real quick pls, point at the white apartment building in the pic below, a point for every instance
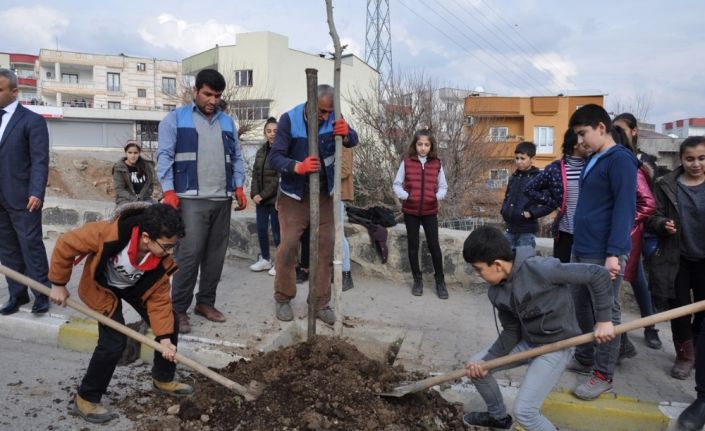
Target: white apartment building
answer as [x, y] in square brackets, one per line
[267, 78]
[685, 128]
[101, 101]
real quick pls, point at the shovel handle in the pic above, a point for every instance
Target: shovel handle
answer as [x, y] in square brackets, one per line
[564, 344]
[237, 388]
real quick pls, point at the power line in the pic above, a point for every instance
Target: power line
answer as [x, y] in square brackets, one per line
[497, 50]
[507, 79]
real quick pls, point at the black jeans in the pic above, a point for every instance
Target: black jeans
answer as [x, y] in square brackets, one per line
[563, 246]
[430, 228]
[691, 277]
[107, 353]
[700, 364]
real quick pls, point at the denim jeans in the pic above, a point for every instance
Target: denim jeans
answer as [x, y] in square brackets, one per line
[603, 356]
[265, 214]
[519, 239]
[346, 245]
[642, 293]
[541, 376]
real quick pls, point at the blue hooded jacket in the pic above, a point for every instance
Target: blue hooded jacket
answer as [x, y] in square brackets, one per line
[607, 204]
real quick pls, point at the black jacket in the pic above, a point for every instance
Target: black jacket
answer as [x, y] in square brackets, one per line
[265, 180]
[516, 202]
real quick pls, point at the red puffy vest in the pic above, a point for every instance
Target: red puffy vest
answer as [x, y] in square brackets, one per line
[421, 182]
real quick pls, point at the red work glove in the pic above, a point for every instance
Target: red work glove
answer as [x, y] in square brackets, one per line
[340, 128]
[241, 198]
[309, 165]
[171, 199]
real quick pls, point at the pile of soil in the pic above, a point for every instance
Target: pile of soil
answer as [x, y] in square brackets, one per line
[324, 384]
[80, 177]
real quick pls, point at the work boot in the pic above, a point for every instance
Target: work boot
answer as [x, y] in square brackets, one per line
[578, 367]
[417, 288]
[347, 281]
[651, 338]
[685, 359]
[626, 348]
[173, 388]
[483, 419]
[693, 417]
[284, 312]
[92, 412]
[327, 315]
[593, 387]
[184, 324]
[441, 290]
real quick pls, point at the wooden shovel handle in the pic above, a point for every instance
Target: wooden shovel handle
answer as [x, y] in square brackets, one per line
[237, 388]
[569, 342]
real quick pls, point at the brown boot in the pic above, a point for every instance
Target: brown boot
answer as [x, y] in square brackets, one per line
[184, 324]
[685, 359]
[172, 388]
[92, 412]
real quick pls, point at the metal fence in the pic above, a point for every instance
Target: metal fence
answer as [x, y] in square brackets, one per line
[467, 224]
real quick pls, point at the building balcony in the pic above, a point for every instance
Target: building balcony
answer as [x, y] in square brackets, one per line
[82, 88]
[27, 82]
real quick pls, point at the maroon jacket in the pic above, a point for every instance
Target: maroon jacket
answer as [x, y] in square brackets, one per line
[422, 184]
[645, 207]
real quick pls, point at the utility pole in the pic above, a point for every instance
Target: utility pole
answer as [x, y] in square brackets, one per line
[378, 45]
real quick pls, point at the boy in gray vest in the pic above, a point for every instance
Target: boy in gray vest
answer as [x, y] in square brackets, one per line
[535, 307]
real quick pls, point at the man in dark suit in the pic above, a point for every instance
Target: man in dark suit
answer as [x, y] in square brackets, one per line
[24, 169]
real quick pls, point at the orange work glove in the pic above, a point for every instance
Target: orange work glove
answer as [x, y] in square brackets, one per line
[309, 165]
[340, 128]
[171, 199]
[241, 198]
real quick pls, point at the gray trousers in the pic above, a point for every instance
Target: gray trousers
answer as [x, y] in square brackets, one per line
[540, 378]
[207, 224]
[603, 356]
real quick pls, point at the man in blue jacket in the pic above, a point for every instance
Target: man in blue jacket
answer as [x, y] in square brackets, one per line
[24, 170]
[603, 221]
[289, 156]
[199, 164]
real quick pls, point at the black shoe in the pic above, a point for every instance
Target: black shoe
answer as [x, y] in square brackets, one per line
[483, 419]
[41, 304]
[651, 337]
[441, 290]
[13, 305]
[301, 275]
[693, 417]
[417, 288]
[626, 348]
[347, 281]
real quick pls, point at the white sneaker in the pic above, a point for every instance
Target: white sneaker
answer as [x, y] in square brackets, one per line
[272, 272]
[261, 265]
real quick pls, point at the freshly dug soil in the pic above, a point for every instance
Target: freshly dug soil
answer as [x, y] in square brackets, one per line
[325, 384]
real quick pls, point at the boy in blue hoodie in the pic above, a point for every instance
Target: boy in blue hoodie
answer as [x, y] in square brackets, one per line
[535, 308]
[603, 221]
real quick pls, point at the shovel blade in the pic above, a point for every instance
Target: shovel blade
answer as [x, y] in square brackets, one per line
[401, 390]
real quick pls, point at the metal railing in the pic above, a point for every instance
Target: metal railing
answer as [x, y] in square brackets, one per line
[466, 224]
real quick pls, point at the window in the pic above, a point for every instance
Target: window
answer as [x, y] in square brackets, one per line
[141, 67]
[113, 81]
[169, 107]
[243, 78]
[499, 134]
[71, 78]
[114, 105]
[251, 109]
[543, 138]
[498, 178]
[141, 92]
[169, 86]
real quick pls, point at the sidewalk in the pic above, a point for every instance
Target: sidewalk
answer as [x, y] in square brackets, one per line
[433, 336]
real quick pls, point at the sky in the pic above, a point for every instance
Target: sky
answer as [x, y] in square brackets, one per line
[630, 50]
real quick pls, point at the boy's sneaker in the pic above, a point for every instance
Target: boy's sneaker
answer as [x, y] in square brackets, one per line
[593, 387]
[577, 367]
[483, 419]
[92, 412]
[173, 388]
[626, 348]
[347, 281]
[272, 271]
[261, 265]
[651, 338]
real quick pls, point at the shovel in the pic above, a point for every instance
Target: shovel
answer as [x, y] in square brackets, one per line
[250, 393]
[422, 385]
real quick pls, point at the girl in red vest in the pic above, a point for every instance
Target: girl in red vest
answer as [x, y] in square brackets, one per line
[420, 183]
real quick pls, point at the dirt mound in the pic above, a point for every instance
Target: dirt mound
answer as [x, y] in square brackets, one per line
[80, 177]
[325, 384]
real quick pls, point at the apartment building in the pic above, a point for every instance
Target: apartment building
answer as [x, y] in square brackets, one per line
[23, 65]
[267, 78]
[100, 101]
[685, 128]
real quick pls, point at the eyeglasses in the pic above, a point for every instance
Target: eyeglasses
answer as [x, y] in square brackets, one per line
[166, 248]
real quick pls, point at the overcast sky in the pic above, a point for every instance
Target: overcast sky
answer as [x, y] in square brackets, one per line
[652, 50]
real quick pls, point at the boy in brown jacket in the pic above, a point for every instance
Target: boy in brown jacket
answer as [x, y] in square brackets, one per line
[130, 259]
